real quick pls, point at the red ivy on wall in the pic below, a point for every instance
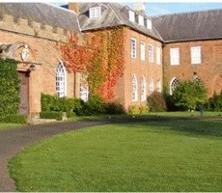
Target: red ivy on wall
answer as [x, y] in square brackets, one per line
[100, 55]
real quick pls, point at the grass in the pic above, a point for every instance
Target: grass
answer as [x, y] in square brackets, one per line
[4, 126]
[168, 155]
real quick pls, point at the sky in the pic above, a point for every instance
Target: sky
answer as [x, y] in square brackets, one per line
[170, 8]
[162, 8]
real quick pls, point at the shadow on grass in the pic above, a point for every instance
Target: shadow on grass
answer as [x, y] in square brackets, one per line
[207, 126]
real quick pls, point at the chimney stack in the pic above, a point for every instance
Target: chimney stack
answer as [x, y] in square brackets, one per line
[74, 7]
[139, 8]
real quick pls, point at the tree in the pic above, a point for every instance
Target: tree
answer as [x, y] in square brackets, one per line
[189, 94]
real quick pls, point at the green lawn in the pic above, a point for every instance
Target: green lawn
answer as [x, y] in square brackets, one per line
[165, 155]
[4, 126]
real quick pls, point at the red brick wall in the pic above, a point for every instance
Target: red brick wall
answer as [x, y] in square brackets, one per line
[42, 80]
[137, 67]
[209, 71]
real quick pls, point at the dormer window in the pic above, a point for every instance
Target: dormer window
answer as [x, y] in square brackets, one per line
[95, 12]
[141, 20]
[149, 24]
[131, 16]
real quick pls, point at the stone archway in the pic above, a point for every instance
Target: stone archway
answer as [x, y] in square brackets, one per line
[217, 84]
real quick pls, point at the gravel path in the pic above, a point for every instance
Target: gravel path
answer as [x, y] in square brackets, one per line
[14, 140]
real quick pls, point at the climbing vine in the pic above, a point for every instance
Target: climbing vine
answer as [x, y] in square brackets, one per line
[100, 56]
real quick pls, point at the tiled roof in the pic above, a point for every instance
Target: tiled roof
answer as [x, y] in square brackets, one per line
[200, 25]
[113, 14]
[43, 13]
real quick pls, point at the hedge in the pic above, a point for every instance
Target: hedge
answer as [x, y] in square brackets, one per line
[16, 118]
[9, 88]
[51, 115]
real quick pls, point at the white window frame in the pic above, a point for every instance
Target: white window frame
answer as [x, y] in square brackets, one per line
[174, 56]
[140, 20]
[131, 16]
[158, 55]
[148, 24]
[171, 82]
[152, 86]
[142, 51]
[133, 47]
[134, 88]
[159, 86]
[195, 53]
[150, 53]
[143, 88]
[95, 12]
[61, 80]
[83, 88]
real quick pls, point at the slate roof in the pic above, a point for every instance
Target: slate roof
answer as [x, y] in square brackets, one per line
[201, 25]
[43, 13]
[113, 14]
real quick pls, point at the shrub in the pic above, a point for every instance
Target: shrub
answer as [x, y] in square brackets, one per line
[9, 89]
[214, 103]
[114, 108]
[70, 114]
[137, 109]
[51, 103]
[51, 115]
[156, 102]
[15, 118]
[189, 94]
[94, 105]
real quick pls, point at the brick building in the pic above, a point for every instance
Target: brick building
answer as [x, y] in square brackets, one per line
[159, 51]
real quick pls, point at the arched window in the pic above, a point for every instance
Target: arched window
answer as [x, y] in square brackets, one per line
[143, 89]
[61, 80]
[158, 86]
[84, 88]
[151, 86]
[134, 88]
[173, 84]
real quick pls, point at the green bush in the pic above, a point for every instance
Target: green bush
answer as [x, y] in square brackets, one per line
[214, 103]
[94, 105]
[156, 102]
[188, 95]
[137, 109]
[51, 103]
[114, 109]
[70, 114]
[15, 118]
[9, 88]
[51, 115]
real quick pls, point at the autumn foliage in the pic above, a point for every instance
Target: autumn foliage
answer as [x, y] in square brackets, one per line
[99, 55]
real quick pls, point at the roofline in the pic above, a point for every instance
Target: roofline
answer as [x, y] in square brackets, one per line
[191, 40]
[183, 13]
[122, 25]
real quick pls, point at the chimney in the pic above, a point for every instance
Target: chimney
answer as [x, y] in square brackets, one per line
[139, 8]
[74, 7]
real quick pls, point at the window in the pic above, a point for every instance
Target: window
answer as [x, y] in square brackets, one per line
[141, 20]
[149, 24]
[158, 55]
[133, 47]
[134, 88]
[151, 86]
[143, 89]
[196, 55]
[95, 12]
[131, 16]
[174, 56]
[142, 51]
[84, 88]
[158, 86]
[61, 80]
[173, 84]
[150, 53]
